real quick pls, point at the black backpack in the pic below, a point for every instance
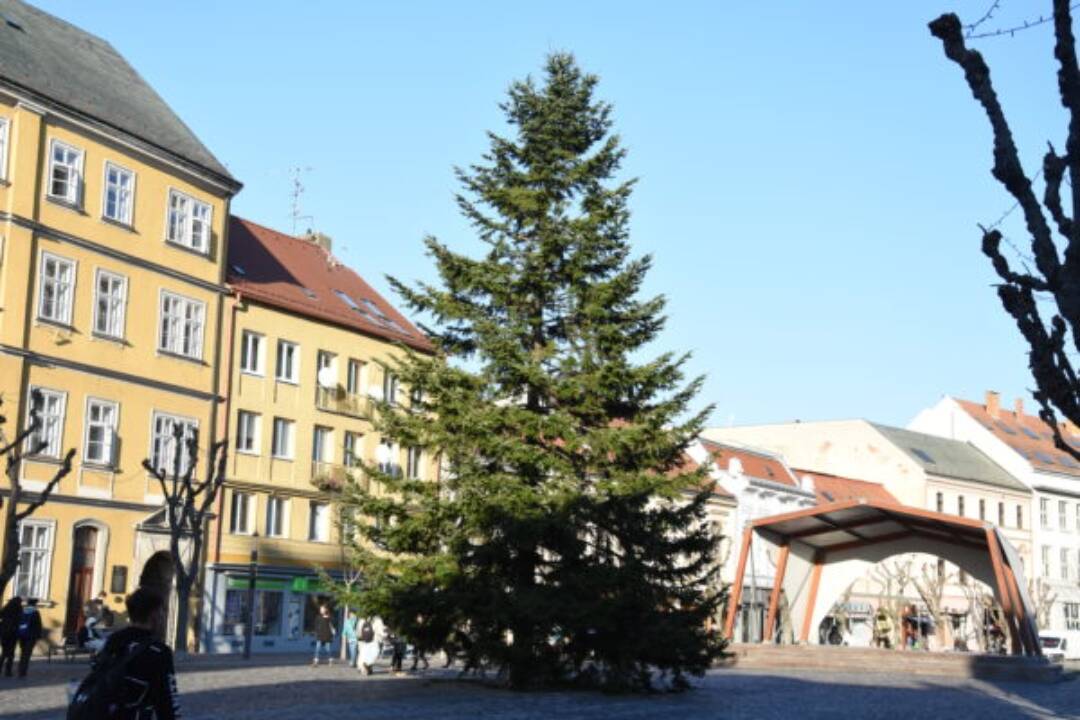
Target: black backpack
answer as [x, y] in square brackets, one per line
[367, 633]
[107, 693]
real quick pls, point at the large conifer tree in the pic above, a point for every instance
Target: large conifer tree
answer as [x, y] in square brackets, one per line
[562, 541]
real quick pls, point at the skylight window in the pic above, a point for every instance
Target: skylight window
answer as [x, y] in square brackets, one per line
[238, 270]
[375, 309]
[350, 302]
[1005, 427]
[923, 455]
[828, 495]
[310, 293]
[1044, 457]
[1067, 461]
[1029, 432]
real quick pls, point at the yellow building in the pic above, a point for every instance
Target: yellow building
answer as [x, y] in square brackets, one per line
[113, 229]
[308, 343]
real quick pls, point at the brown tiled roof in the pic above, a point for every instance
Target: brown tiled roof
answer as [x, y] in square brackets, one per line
[297, 275]
[833, 488]
[756, 464]
[689, 465]
[1027, 435]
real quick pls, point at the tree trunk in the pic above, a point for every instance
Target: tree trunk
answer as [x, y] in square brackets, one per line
[183, 608]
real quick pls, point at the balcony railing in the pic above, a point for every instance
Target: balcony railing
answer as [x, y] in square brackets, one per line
[328, 476]
[339, 400]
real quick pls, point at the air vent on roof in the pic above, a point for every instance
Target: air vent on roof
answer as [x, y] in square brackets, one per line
[310, 293]
[10, 22]
[1044, 457]
[1005, 427]
[238, 270]
[923, 455]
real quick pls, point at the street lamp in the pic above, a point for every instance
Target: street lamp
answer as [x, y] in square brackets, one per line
[253, 573]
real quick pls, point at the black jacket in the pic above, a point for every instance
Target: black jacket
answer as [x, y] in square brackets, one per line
[31, 615]
[152, 673]
[9, 621]
[324, 629]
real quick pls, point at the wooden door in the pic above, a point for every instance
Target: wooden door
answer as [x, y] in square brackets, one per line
[81, 585]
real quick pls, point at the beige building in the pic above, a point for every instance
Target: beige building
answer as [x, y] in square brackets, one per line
[309, 345]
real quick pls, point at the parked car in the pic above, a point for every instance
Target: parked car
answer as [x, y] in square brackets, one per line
[1060, 646]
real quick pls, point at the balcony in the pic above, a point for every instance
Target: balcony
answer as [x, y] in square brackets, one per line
[328, 476]
[338, 400]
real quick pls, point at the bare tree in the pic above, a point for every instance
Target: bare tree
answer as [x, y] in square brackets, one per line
[930, 584]
[14, 452]
[1043, 598]
[1055, 277]
[188, 504]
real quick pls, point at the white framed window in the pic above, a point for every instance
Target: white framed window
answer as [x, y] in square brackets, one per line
[51, 433]
[352, 449]
[277, 517]
[188, 223]
[414, 460]
[354, 378]
[247, 432]
[181, 325]
[318, 521]
[242, 517]
[56, 292]
[1045, 552]
[35, 554]
[1063, 516]
[1065, 564]
[100, 441]
[283, 439]
[5, 134]
[110, 303]
[322, 444]
[251, 352]
[390, 387]
[288, 361]
[65, 173]
[1072, 615]
[960, 505]
[163, 445]
[119, 194]
[388, 458]
[1078, 517]
[1044, 513]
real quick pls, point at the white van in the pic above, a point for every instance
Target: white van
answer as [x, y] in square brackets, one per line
[1060, 644]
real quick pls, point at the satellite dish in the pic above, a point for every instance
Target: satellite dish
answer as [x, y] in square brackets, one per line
[327, 377]
[382, 454]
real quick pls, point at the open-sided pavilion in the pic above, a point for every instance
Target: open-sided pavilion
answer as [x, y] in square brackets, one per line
[821, 551]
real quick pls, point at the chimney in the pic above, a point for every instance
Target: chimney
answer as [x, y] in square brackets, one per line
[320, 239]
[1019, 408]
[993, 403]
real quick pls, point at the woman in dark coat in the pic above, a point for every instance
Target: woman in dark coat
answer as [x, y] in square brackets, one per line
[9, 633]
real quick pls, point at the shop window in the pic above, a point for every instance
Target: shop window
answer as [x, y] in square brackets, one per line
[268, 612]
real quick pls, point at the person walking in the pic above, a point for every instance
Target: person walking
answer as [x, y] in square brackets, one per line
[134, 671]
[348, 637]
[397, 651]
[324, 635]
[9, 633]
[369, 647]
[28, 633]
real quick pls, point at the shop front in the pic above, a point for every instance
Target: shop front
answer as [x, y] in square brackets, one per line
[282, 619]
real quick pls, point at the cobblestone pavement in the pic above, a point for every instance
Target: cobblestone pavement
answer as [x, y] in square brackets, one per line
[285, 688]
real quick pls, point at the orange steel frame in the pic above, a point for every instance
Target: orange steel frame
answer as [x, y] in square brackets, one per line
[1004, 577]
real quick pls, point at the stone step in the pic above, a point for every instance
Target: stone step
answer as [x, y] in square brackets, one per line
[878, 660]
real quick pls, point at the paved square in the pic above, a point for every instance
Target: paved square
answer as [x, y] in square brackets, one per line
[287, 688]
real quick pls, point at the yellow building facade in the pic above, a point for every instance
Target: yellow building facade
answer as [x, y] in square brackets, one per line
[309, 344]
[111, 300]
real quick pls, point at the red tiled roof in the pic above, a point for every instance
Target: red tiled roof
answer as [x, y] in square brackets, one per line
[297, 275]
[754, 463]
[1027, 435]
[833, 488]
[688, 465]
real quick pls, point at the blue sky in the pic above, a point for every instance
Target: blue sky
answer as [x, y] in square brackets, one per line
[811, 174]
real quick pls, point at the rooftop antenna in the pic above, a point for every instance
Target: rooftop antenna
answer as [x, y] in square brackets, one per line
[297, 191]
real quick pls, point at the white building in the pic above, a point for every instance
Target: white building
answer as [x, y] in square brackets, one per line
[1024, 445]
[761, 484]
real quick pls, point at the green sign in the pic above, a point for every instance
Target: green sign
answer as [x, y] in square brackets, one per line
[308, 585]
[241, 583]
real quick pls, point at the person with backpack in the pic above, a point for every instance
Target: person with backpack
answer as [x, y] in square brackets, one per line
[133, 677]
[9, 633]
[369, 647]
[324, 635]
[29, 632]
